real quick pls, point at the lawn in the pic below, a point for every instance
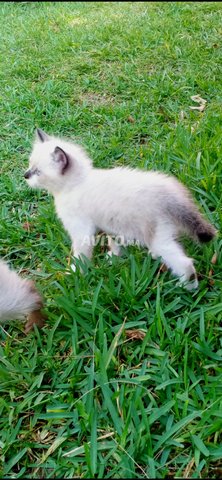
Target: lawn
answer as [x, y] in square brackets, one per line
[125, 379]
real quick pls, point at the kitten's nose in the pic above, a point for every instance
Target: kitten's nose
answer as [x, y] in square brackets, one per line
[27, 174]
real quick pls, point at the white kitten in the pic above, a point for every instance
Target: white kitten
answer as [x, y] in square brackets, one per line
[18, 296]
[150, 208]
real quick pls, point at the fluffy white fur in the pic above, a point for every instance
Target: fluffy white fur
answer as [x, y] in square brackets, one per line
[18, 296]
[150, 208]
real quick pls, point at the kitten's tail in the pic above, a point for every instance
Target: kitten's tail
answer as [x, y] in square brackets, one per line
[188, 216]
[18, 296]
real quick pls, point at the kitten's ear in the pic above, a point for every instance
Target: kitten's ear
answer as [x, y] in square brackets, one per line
[61, 158]
[41, 136]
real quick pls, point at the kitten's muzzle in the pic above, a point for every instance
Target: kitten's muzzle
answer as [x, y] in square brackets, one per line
[28, 174]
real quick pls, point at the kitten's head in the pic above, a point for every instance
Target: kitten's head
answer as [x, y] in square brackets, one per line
[55, 163]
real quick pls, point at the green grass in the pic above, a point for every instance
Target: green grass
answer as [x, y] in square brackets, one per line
[80, 398]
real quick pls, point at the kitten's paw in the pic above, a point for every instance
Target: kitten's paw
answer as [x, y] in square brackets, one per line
[114, 250]
[108, 256]
[73, 267]
[192, 284]
[110, 253]
[189, 284]
[70, 267]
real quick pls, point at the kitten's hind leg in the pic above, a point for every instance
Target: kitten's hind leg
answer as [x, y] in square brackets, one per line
[114, 247]
[174, 257]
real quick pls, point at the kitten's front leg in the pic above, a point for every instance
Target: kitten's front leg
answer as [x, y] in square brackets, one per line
[82, 246]
[81, 232]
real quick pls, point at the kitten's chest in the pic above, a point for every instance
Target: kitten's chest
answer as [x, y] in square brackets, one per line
[66, 208]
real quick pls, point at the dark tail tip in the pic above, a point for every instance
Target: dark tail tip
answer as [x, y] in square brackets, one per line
[206, 233]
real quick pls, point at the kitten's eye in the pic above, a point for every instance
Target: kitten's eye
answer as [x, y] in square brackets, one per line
[36, 171]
